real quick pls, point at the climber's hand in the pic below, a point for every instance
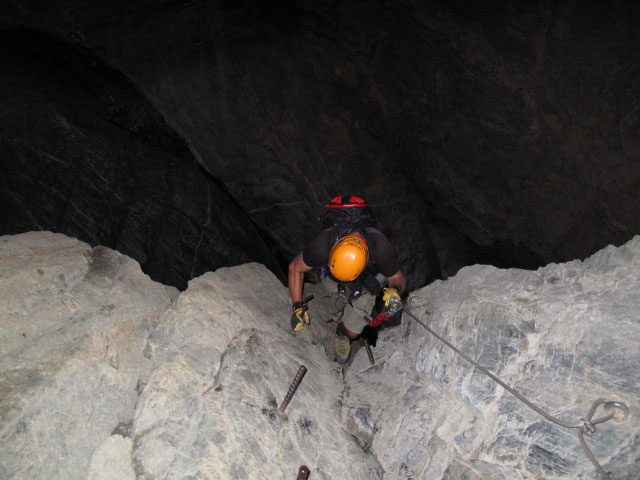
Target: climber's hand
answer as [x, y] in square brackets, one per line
[392, 301]
[300, 316]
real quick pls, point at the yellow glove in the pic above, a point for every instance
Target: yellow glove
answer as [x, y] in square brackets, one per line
[392, 301]
[299, 317]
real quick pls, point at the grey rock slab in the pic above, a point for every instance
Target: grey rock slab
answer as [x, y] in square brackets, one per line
[478, 470]
[119, 377]
[74, 322]
[222, 362]
[112, 460]
[409, 422]
[36, 272]
[563, 335]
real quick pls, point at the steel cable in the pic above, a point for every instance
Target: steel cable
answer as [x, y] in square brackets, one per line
[588, 425]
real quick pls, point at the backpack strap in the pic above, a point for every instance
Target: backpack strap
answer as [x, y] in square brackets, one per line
[367, 238]
[341, 231]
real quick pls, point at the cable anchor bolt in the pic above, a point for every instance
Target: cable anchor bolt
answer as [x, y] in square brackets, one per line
[619, 411]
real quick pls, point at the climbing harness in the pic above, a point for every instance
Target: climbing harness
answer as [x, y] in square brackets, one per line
[351, 291]
[614, 410]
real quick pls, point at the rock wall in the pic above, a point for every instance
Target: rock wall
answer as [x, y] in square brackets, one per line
[564, 336]
[222, 362]
[516, 124]
[73, 326]
[84, 154]
[106, 374]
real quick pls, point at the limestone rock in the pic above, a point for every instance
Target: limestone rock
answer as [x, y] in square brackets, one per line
[222, 362]
[564, 336]
[73, 325]
[479, 470]
[112, 460]
[105, 374]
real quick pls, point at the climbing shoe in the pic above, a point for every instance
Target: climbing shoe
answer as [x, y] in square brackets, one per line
[343, 346]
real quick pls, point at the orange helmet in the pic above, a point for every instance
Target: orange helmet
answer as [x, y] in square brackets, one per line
[348, 258]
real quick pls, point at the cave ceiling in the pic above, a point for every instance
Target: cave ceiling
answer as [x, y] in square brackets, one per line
[504, 133]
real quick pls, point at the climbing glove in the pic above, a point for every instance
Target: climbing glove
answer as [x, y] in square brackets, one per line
[392, 302]
[300, 316]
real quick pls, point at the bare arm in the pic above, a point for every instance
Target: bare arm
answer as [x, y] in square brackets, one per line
[397, 281]
[297, 267]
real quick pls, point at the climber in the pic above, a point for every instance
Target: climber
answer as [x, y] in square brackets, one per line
[357, 262]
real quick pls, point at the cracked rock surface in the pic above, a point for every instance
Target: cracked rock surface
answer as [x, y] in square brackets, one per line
[105, 374]
[564, 336]
[222, 362]
[104, 377]
[73, 325]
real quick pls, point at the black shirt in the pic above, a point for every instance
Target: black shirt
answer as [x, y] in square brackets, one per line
[381, 253]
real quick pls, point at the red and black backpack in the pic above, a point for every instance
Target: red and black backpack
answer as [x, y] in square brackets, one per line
[348, 212]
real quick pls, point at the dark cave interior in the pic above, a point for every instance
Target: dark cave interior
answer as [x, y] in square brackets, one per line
[194, 135]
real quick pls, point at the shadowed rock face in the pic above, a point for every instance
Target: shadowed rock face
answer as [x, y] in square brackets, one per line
[83, 154]
[513, 128]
